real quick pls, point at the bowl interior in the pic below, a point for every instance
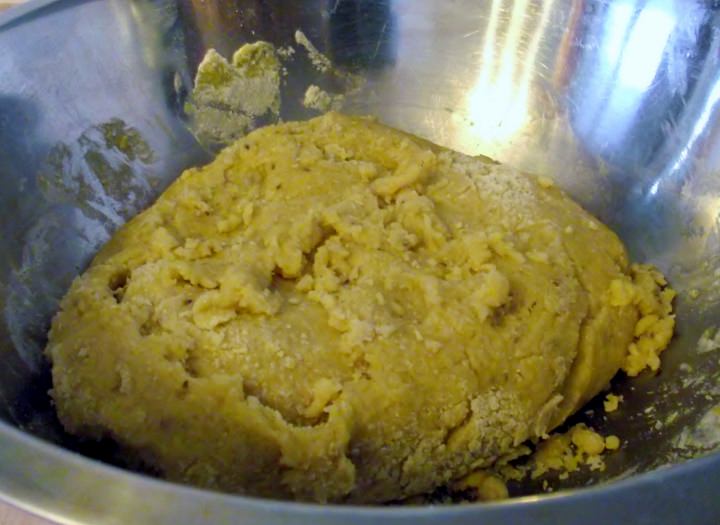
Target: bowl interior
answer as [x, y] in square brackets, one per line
[616, 101]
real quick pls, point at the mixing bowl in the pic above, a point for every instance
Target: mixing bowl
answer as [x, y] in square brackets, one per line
[618, 101]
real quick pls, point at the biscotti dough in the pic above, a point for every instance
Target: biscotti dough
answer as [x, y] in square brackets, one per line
[334, 310]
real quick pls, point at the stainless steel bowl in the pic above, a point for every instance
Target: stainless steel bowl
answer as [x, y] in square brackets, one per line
[618, 101]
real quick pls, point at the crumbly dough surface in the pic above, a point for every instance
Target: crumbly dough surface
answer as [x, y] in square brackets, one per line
[334, 310]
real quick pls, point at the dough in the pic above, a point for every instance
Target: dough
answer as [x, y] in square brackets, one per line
[334, 310]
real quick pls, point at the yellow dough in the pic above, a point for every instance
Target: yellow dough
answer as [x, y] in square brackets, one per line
[334, 310]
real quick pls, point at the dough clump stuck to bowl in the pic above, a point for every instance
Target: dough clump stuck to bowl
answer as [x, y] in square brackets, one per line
[334, 310]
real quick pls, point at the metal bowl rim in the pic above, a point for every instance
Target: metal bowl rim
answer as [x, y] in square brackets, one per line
[143, 482]
[43, 449]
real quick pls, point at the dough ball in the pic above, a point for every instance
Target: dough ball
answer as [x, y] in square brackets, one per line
[334, 310]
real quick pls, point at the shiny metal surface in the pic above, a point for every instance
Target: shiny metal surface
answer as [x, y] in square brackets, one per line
[618, 101]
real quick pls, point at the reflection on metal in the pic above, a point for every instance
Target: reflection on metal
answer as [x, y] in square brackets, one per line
[618, 101]
[646, 43]
[497, 105]
[634, 44]
[710, 107]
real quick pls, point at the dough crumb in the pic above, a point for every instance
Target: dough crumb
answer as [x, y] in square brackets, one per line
[650, 293]
[709, 340]
[612, 442]
[612, 402]
[567, 452]
[230, 98]
[485, 486]
[320, 61]
[320, 100]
